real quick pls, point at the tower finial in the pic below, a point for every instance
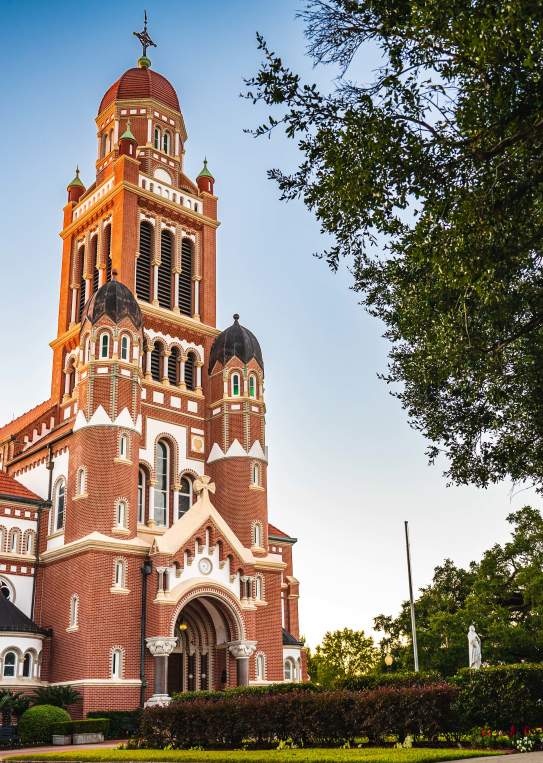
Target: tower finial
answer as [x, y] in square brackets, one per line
[146, 42]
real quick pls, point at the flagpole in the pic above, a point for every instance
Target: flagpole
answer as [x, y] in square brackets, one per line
[411, 601]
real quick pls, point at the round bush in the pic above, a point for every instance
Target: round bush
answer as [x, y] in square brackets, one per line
[35, 724]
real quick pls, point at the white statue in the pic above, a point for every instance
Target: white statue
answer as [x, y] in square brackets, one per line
[474, 644]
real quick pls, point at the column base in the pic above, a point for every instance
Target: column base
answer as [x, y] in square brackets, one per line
[158, 700]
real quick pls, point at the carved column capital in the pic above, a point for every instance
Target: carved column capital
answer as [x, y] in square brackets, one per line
[242, 649]
[161, 646]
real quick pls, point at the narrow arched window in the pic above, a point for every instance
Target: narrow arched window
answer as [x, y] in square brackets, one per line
[173, 366]
[74, 611]
[166, 142]
[87, 349]
[116, 663]
[14, 542]
[27, 665]
[235, 385]
[104, 144]
[156, 362]
[165, 275]
[157, 138]
[185, 496]
[104, 346]
[123, 446]
[28, 542]
[255, 475]
[190, 369]
[107, 250]
[120, 514]
[94, 263]
[111, 141]
[162, 487]
[185, 277]
[289, 670]
[252, 385]
[258, 587]
[118, 573]
[10, 664]
[143, 262]
[141, 497]
[82, 282]
[60, 504]
[260, 667]
[257, 534]
[125, 348]
[80, 481]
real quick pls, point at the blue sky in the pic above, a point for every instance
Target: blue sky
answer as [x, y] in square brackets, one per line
[345, 469]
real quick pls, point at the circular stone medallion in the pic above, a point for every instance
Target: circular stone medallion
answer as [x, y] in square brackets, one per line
[205, 566]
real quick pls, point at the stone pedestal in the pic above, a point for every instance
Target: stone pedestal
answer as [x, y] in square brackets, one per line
[242, 650]
[160, 647]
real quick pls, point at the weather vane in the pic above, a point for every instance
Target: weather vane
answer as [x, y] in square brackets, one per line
[144, 38]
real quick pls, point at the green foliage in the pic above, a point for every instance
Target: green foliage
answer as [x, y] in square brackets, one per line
[344, 654]
[500, 697]
[308, 718]
[12, 703]
[392, 680]
[122, 723]
[61, 696]
[251, 691]
[82, 726]
[36, 724]
[367, 755]
[429, 178]
[502, 595]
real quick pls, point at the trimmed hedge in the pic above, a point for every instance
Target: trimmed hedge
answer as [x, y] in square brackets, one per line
[87, 726]
[122, 723]
[396, 680]
[501, 696]
[251, 691]
[309, 718]
[36, 724]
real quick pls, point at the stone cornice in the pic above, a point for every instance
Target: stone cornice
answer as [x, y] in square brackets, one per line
[178, 320]
[90, 543]
[66, 337]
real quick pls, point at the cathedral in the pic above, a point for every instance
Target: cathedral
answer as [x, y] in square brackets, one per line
[136, 555]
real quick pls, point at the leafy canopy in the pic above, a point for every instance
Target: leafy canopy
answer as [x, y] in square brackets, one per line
[502, 595]
[430, 180]
[343, 654]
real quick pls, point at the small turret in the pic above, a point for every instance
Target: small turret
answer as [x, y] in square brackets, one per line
[205, 179]
[128, 143]
[75, 189]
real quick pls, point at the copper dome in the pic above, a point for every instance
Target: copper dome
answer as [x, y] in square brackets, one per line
[115, 300]
[141, 82]
[235, 342]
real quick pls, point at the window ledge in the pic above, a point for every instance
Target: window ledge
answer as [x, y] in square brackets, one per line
[253, 486]
[120, 460]
[258, 549]
[120, 530]
[118, 589]
[72, 628]
[80, 496]
[56, 534]
[260, 602]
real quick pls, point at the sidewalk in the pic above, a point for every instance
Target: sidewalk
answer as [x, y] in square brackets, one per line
[4, 754]
[527, 757]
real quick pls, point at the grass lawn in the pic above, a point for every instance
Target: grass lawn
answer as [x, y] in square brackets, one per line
[368, 755]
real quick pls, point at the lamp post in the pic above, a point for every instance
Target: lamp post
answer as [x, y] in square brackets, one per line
[389, 659]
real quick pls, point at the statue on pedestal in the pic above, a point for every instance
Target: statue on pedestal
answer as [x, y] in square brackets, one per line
[474, 645]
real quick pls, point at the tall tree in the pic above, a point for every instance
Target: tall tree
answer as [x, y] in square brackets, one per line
[343, 654]
[430, 179]
[502, 595]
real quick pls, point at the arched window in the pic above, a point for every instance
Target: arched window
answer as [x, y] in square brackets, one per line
[162, 488]
[255, 474]
[258, 587]
[173, 366]
[28, 544]
[185, 496]
[104, 345]
[252, 385]
[120, 514]
[105, 142]
[190, 369]
[15, 541]
[118, 573]
[94, 263]
[10, 665]
[165, 276]
[82, 282]
[235, 384]
[156, 361]
[143, 262]
[123, 446]
[74, 611]
[87, 349]
[185, 277]
[125, 347]
[290, 669]
[166, 142]
[257, 534]
[106, 247]
[5, 590]
[111, 140]
[59, 506]
[80, 481]
[157, 138]
[141, 497]
[27, 665]
[116, 663]
[260, 667]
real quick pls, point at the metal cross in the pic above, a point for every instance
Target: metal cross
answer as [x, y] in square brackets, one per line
[144, 38]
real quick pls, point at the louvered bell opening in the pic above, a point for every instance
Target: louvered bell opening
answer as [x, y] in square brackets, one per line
[185, 278]
[189, 371]
[155, 363]
[173, 367]
[81, 254]
[143, 265]
[107, 251]
[165, 270]
[94, 263]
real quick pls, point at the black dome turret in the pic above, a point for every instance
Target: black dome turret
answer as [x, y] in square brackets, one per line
[235, 342]
[115, 300]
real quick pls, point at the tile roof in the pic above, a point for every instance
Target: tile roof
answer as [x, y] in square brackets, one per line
[10, 486]
[14, 621]
[141, 82]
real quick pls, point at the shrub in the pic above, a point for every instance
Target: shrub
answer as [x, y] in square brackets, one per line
[396, 680]
[307, 717]
[87, 726]
[36, 724]
[500, 696]
[122, 723]
[237, 691]
[61, 696]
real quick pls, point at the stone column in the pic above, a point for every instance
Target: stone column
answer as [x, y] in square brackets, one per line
[160, 647]
[242, 650]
